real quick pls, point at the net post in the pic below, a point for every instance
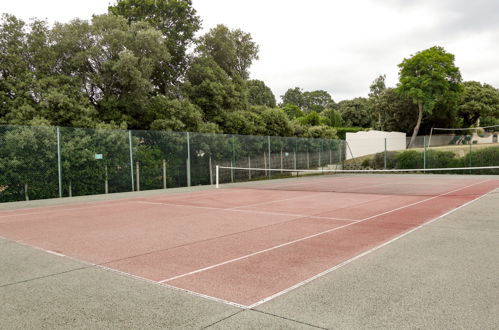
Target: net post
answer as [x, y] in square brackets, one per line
[217, 176]
[131, 159]
[59, 167]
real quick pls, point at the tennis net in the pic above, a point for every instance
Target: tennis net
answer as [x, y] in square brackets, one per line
[411, 182]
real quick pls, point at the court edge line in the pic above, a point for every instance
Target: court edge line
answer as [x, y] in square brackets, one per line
[89, 265]
[346, 262]
[310, 236]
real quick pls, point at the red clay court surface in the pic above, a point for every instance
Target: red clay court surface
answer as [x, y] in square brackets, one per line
[241, 246]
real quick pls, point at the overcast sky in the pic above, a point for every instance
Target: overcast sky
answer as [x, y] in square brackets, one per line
[337, 46]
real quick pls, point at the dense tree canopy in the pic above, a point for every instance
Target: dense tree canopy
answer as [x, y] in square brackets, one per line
[479, 104]
[429, 77]
[135, 68]
[177, 21]
[233, 50]
[260, 94]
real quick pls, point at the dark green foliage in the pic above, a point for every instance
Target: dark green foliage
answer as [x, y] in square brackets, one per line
[311, 119]
[378, 161]
[292, 111]
[341, 131]
[233, 50]
[210, 88]
[483, 157]
[294, 96]
[260, 94]
[276, 123]
[478, 102]
[332, 117]
[409, 159]
[355, 112]
[177, 21]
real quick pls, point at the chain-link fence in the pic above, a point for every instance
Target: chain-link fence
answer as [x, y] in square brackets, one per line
[50, 162]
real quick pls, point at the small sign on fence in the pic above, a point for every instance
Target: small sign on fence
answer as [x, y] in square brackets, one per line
[99, 156]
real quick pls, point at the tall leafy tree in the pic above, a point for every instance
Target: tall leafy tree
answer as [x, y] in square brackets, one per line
[355, 112]
[378, 86]
[260, 94]
[398, 111]
[178, 22]
[114, 61]
[292, 111]
[428, 77]
[317, 101]
[209, 87]
[479, 103]
[233, 50]
[294, 96]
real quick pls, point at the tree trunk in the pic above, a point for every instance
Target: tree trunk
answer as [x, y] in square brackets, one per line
[416, 128]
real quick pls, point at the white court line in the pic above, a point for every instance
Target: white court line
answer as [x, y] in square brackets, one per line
[247, 211]
[311, 236]
[346, 262]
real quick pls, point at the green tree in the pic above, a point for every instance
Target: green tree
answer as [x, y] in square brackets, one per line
[321, 131]
[317, 101]
[292, 111]
[428, 77]
[332, 117]
[478, 103]
[355, 112]
[209, 87]
[378, 86]
[260, 94]
[311, 119]
[398, 111]
[276, 123]
[233, 50]
[178, 22]
[244, 122]
[32, 82]
[174, 115]
[114, 62]
[294, 96]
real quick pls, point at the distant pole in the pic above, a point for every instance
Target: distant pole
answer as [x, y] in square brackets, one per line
[59, 167]
[270, 160]
[164, 173]
[231, 172]
[385, 156]
[138, 176]
[188, 161]
[131, 159]
[281, 161]
[211, 170]
[106, 184]
[424, 152]
[249, 167]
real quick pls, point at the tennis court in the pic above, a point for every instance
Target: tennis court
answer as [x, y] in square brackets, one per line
[246, 244]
